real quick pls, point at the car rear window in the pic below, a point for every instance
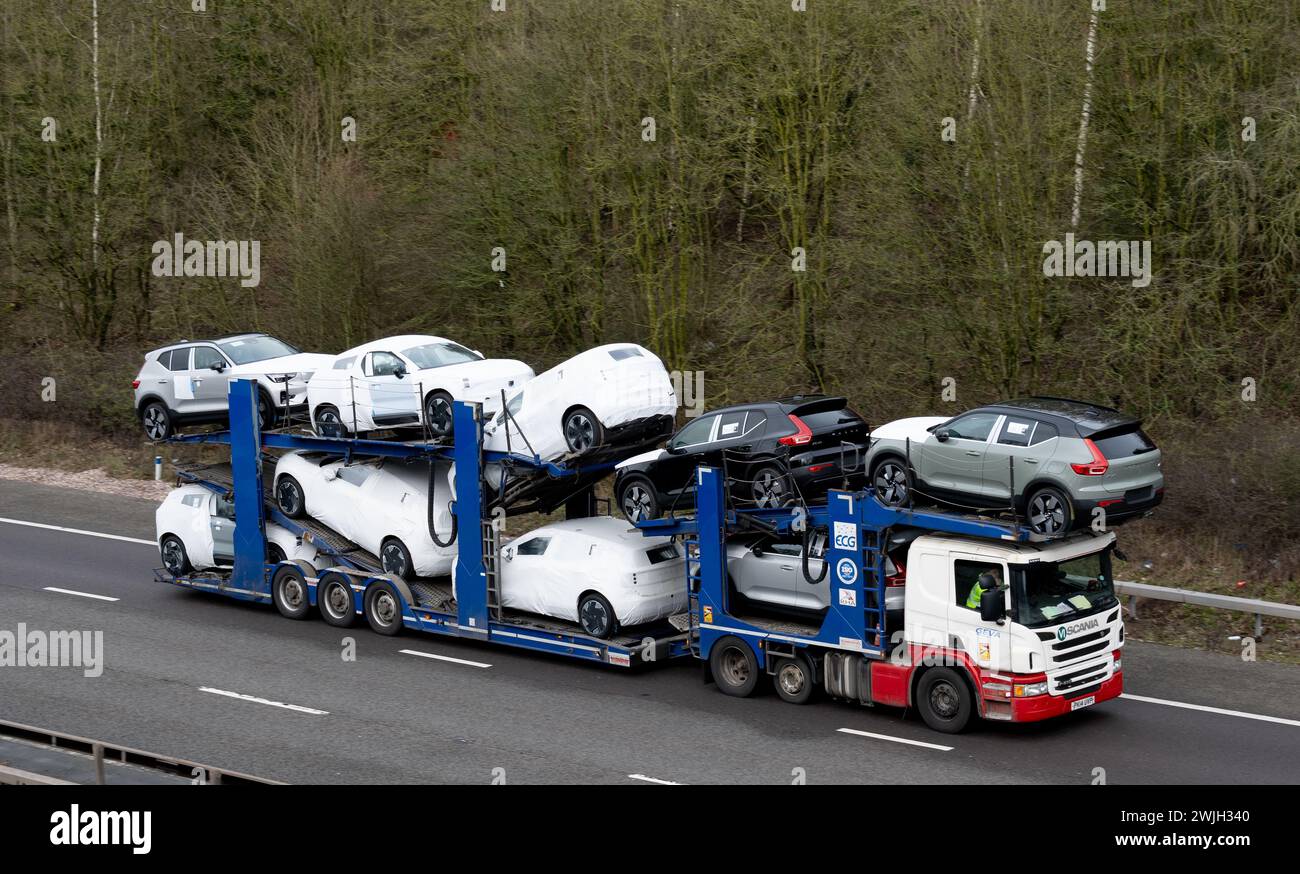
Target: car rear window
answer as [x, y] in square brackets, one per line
[623, 354]
[829, 418]
[1121, 444]
[667, 552]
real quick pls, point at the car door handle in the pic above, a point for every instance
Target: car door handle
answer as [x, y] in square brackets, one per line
[787, 567]
[163, 381]
[1031, 461]
[974, 452]
[746, 448]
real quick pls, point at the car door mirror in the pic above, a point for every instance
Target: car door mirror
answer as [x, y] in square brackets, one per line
[218, 366]
[676, 449]
[508, 553]
[399, 371]
[992, 605]
[942, 435]
[758, 549]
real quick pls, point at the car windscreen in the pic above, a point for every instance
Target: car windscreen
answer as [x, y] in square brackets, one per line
[439, 355]
[246, 350]
[1050, 592]
[1123, 443]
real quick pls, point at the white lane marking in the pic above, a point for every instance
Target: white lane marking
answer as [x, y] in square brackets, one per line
[77, 531]
[443, 658]
[1219, 710]
[643, 778]
[897, 740]
[298, 707]
[82, 594]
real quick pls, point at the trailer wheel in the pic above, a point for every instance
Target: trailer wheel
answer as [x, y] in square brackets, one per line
[734, 666]
[334, 598]
[794, 680]
[945, 700]
[383, 608]
[289, 591]
[289, 497]
[174, 557]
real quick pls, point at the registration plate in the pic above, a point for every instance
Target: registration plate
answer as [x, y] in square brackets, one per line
[1083, 702]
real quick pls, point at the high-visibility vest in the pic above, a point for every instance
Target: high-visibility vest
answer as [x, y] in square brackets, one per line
[973, 599]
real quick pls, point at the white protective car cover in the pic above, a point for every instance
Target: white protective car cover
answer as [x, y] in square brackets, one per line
[620, 383]
[600, 554]
[193, 525]
[369, 502]
[341, 384]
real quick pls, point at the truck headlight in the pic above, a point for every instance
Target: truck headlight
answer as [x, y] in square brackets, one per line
[1117, 664]
[1029, 690]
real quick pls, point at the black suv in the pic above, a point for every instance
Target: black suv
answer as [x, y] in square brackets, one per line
[775, 453]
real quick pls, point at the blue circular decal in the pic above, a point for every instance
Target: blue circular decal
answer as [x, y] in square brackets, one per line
[846, 570]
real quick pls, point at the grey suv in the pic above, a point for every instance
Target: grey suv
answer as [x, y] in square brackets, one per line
[188, 382]
[1057, 460]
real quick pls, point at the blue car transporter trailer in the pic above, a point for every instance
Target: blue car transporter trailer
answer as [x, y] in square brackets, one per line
[855, 623]
[382, 598]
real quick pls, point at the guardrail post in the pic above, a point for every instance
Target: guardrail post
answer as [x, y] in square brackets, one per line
[98, 750]
[1259, 626]
[1132, 607]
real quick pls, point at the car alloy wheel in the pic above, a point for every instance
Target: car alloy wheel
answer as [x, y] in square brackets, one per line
[394, 559]
[891, 483]
[155, 422]
[596, 616]
[1047, 513]
[637, 502]
[329, 423]
[580, 432]
[173, 556]
[769, 488]
[437, 412]
[289, 497]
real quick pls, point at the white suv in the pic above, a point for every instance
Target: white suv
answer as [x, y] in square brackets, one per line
[187, 382]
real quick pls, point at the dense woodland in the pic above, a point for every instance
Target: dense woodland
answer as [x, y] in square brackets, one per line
[823, 129]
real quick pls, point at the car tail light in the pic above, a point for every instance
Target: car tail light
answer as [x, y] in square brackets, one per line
[801, 435]
[1097, 467]
[135, 383]
[818, 468]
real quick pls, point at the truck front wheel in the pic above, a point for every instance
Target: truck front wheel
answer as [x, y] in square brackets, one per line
[945, 700]
[734, 667]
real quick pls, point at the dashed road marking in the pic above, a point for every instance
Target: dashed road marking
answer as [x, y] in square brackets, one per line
[443, 658]
[1219, 710]
[297, 707]
[643, 778]
[80, 594]
[77, 531]
[897, 740]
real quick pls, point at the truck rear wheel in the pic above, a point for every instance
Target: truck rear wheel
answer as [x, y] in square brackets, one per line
[383, 608]
[794, 680]
[334, 598]
[289, 591]
[734, 667]
[945, 700]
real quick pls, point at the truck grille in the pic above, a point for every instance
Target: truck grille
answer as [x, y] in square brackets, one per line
[1071, 683]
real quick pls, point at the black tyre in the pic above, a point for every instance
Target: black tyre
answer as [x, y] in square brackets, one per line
[383, 608]
[266, 417]
[945, 700]
[328, 422]
[770, 487]
[157, 421]
[274, 553]
[794, 679]
[582, 430]
[636, 498]
[437, 413]
[396, 559]
[1049, 511]
[174, 556]
[289, 592]
[596, 616]
[890, 481]
[334, 600]
[734, 666]
[289, 497]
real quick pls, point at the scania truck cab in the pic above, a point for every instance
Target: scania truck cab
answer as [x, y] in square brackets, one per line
[1044, 641]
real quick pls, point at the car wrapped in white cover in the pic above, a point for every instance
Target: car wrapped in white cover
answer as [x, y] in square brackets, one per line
[381, 505]
[598, 572]
[605, 396]
[195, 531]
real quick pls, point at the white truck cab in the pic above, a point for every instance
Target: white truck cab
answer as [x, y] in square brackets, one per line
[1048, 637]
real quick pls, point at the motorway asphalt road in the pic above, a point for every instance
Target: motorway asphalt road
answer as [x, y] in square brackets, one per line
[390, 717]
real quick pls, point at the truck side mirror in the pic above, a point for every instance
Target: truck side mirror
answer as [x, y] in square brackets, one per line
[992, 607]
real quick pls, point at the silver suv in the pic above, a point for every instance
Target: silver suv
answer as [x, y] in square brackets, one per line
[188, 382]
[1056, 460]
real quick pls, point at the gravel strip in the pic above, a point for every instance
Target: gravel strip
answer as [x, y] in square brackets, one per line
[95, 480]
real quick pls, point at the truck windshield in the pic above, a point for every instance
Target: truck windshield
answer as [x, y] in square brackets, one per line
[1050, 592]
